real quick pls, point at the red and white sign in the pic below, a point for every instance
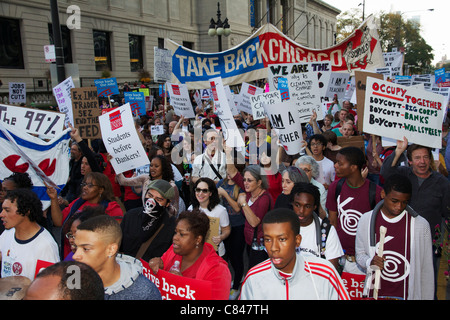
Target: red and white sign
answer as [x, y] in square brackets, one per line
[174, 287]
[354, 284]
[121, 139]
[49, 52]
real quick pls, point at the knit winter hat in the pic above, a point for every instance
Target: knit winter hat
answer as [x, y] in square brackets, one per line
[163, 187]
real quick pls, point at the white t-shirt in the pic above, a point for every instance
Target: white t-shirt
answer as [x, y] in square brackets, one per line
[220, 212]
[202, 168]
[308, 246]
[19, 257]
[326, 171]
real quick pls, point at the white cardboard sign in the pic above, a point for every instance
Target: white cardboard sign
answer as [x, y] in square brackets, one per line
[121, 139]
[395, 111]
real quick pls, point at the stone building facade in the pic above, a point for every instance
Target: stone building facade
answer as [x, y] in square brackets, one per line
[120, 36]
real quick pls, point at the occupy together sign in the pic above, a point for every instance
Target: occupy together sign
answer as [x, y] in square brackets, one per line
[398, 111]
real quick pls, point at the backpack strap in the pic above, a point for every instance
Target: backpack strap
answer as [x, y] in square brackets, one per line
[322, 231]
[218, 175]
[339, 187]
[372, 194]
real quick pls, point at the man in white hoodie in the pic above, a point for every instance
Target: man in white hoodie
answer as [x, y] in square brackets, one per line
[98, 240]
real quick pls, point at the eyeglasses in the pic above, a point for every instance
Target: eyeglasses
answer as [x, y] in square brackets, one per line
[89, 185]
[306, 170]
[198, 190]
[70, 236]
[316, 144]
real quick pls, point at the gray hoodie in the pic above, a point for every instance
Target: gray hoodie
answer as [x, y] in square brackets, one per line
[132, 284]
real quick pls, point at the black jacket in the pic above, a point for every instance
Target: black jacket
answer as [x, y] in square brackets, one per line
[133, 234]
[431, 199]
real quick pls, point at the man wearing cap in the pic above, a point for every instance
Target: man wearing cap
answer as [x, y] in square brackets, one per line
[148, 230]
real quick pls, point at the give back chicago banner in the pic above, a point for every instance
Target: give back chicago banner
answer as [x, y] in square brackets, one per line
[249, 60]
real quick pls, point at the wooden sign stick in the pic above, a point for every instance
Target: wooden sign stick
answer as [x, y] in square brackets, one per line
[380, 254]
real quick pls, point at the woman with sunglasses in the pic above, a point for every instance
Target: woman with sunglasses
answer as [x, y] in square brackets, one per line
[206, 198]
[255, 203]
[96, 190]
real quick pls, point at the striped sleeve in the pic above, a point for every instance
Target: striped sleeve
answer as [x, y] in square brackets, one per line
[329, 273]
[246, 289]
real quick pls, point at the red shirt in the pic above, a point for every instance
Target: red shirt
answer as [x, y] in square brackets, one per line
[209, 266]
[260, 207]
[397, 251]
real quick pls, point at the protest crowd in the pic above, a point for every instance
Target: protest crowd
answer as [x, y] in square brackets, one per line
[194, 196]
[250, 220]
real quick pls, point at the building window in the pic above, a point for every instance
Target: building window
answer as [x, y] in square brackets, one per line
[284, 20]
[271, 12]
[160, 43]
[66, 42]
[11, 55]
[136, 56]
[102, 50]
[188, 44]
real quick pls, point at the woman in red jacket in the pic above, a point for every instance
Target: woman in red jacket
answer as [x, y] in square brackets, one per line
[195, 258]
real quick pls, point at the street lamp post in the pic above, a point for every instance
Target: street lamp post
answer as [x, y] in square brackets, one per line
[219, 28]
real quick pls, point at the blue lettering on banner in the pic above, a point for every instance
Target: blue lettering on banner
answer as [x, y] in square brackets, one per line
[106, 87]
[283, 87]
[190, 66]
[136, 101]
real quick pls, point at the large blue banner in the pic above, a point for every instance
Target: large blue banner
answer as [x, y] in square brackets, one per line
[249, 60]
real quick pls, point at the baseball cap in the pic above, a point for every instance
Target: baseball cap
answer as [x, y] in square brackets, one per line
[163, 187]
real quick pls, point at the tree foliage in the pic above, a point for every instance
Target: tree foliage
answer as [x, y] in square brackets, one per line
[347, 22]
[394, 32]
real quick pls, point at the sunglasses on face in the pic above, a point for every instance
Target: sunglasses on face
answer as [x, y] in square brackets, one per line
[198, 190]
